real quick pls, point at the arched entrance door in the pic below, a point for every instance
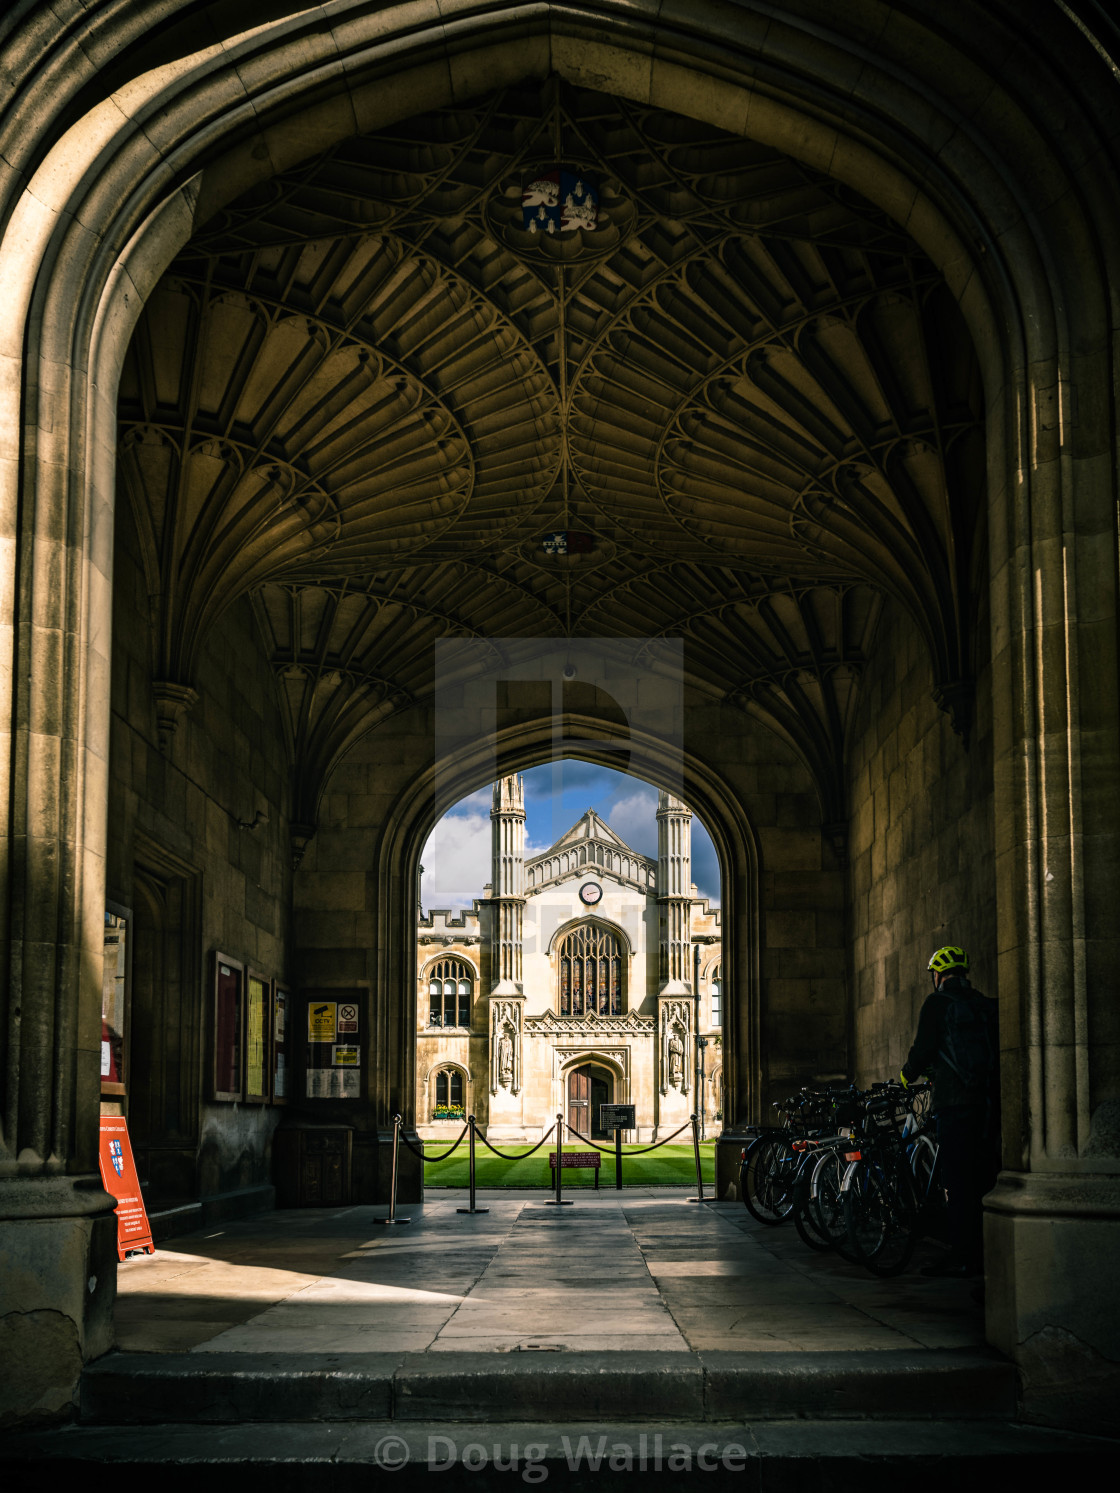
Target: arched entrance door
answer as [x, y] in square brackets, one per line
[588, 1087]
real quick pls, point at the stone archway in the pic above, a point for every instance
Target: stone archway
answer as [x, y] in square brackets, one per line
[976, 161]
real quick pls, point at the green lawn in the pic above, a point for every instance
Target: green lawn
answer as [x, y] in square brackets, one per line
[670, 1164]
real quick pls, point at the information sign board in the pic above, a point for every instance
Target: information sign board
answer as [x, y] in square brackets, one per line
[321, 1021]
[616, 1117]
[118, 1176]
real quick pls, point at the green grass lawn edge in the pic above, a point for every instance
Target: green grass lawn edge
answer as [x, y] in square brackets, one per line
[668, 1166]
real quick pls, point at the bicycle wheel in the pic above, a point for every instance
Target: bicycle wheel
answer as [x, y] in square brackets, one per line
[881, 1214]
[827, 1201]
[804, 1216]
[923, 1168]
[766, 1179]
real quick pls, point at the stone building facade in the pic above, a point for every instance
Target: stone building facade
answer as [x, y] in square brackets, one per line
[587, 974]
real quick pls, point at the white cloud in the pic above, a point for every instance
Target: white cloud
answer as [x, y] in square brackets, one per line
[635, 819]
[456, 861]
[481, 798]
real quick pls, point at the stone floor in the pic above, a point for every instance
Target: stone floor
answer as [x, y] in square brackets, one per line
[641, 1269]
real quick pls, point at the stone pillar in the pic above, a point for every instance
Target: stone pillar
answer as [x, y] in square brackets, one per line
[674, 894]
[1052, 1224]
[507, 835]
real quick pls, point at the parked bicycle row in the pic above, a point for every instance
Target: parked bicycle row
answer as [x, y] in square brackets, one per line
[854, 1170]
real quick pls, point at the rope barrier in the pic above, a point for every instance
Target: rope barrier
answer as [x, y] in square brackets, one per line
[555, 1131]
[609, 1150]
[525, 1155]
[423, 1155]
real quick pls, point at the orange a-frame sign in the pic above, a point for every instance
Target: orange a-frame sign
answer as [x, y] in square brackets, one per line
[118, 1175]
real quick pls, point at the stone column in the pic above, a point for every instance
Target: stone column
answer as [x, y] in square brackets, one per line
[674, 894]
[1052, 1225]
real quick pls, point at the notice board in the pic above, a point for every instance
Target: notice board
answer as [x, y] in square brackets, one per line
[118, 1176]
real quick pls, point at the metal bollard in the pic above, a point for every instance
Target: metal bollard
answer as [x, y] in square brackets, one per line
[472, 1208]
[558, 1201]
[393, 1180]
[696, 1151]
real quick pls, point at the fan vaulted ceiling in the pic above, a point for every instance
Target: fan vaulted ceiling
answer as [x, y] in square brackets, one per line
[366, 396]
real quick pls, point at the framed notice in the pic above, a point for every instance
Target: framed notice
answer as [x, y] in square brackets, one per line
[115, 999]
[258, 1037]
[281, 1049]
[228, 1026]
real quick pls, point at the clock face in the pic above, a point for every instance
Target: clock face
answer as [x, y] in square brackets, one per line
[590, 892]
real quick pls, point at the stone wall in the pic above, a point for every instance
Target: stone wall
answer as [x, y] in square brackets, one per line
[194, 882]
[921, 846]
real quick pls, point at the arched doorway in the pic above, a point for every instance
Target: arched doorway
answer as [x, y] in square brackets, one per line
[585, 953]
[1036, 963]
[587, 1088]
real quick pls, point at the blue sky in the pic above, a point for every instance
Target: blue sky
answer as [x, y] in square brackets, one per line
[456, 858]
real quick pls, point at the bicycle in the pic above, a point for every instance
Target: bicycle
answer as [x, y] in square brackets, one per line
[880, 1200]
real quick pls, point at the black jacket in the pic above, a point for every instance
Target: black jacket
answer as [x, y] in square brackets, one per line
[927, 1054]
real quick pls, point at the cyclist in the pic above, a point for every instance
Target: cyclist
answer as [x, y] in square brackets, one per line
[957, 1045]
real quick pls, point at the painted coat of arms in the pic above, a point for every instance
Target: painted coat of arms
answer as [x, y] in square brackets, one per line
[556, 201]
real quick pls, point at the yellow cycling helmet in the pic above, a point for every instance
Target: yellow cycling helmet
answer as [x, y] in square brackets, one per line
[950, 957]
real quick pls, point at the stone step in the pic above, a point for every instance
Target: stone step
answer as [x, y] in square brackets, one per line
[776, 1455]
[135, 1389]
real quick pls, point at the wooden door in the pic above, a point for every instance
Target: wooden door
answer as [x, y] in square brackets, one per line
[600, 1095]
[579, 1100]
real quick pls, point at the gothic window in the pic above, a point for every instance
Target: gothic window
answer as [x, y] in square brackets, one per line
[449, 993]
[449, 1094]
[717, 996]
[590, 968]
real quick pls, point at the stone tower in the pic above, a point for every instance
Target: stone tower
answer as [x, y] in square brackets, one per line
[675, 1002]
[674, 893]
[507, 1000]
[507, 837]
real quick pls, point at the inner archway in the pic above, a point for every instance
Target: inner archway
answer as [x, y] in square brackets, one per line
[573, 913]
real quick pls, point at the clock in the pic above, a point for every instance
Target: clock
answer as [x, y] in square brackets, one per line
[590, 892]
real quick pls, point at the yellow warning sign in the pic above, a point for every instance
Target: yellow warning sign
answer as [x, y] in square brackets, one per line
[321, 1025]
[346, 1057]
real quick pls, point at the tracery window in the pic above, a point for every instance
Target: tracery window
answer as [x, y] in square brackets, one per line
[449, 993]
[449, 1094]
[590, 969]
[717, 995]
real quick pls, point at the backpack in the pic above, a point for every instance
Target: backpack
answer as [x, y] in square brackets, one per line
[968, 1045]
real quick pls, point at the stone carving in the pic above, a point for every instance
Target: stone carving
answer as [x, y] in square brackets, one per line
[554, 1024]
[676, 1032]
[505, 1045]
[676, 1060]
[564, 1057]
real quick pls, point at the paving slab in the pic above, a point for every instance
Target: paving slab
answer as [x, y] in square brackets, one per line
[616, 1269]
